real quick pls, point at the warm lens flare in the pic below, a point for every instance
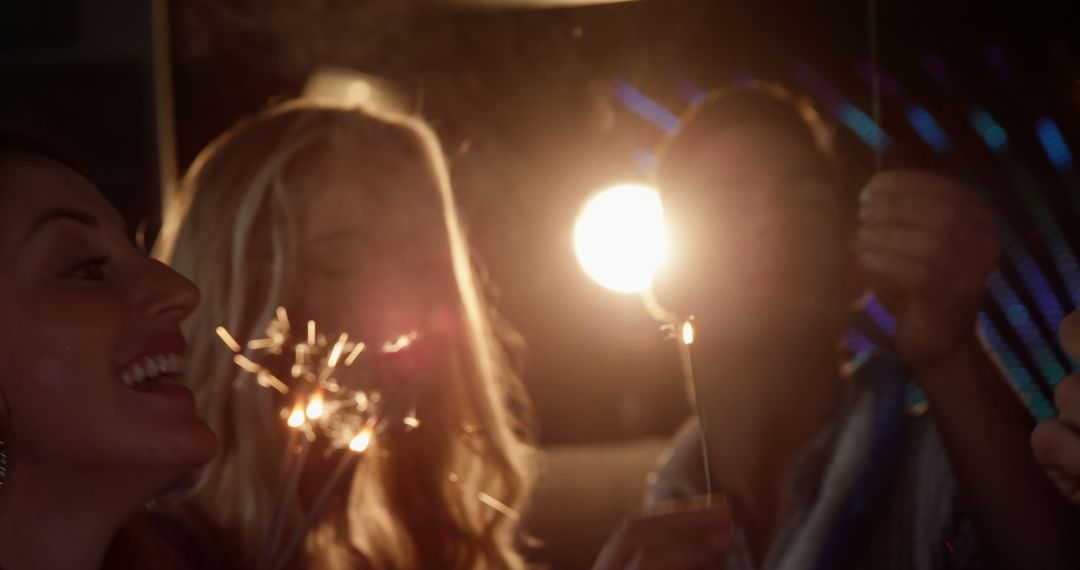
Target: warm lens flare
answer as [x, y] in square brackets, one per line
[315, 406]
[296, 418]
[620, 239]
[362, 440]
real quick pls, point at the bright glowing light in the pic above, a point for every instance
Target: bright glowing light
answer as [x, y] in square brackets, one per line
[620, 239]
[687, 333]
[296, 418]
[362, 440]
[315, 406]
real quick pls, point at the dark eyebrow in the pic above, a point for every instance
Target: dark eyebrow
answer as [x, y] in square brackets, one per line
[57, 215]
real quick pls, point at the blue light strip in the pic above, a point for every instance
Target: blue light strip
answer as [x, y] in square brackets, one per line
[857, 343]
[929, 129]
[1034, 398]
[877, 312]
[849, 115]
[991, 132]
[995, 137]
[862, 125]
[644, 107]
[1031, 275]
[1030, 336]
[1053, 142]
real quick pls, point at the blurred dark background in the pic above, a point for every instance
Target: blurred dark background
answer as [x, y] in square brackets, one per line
[527, 104]
[539, 108]
[532, 108]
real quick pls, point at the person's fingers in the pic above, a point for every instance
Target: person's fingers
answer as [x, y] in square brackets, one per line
[1069, 332]
[923, 198]
[1057, 445]
[964, 266]
[930, 246]
[922, 211]
[899, 271]
[1067, 401]
[1057, 448]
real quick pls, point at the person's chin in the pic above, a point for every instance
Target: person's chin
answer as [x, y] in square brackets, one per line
[188, 448]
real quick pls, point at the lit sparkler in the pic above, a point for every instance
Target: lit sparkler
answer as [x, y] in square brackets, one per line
[333, 398]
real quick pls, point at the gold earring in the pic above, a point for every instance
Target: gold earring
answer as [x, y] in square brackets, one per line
[3, 463]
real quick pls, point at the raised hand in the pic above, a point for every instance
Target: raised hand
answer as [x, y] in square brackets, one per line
[1056, 442]
[928, 245]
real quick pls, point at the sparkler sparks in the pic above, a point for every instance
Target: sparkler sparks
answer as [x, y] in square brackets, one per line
[227, 339]
[315, 407]
[499, 506]
[400, 343]
[334, 403]
[296, 418]
[333, 398]
[360, 443]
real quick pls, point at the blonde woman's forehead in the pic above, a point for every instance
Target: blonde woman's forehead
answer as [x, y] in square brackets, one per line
[335, 187]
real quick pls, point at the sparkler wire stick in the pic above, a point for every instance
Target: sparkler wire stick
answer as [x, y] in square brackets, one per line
[685, 338]
[683, 331]
[875, 77]
[284, 505]
[345, 466]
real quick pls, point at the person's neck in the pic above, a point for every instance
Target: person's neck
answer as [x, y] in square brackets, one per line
[764, 402]
[50, 519]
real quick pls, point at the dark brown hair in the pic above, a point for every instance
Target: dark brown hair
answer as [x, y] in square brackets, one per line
[36, 142]
[755, 104]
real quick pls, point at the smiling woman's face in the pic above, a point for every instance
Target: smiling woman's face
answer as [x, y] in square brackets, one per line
[89, 333]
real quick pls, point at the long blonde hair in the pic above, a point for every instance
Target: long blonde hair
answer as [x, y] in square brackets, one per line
[417, 506]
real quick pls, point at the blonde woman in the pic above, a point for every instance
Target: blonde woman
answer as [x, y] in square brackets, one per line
[346, 216]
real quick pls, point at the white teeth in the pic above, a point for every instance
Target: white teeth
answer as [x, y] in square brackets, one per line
[138, 374]
[152, 367]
